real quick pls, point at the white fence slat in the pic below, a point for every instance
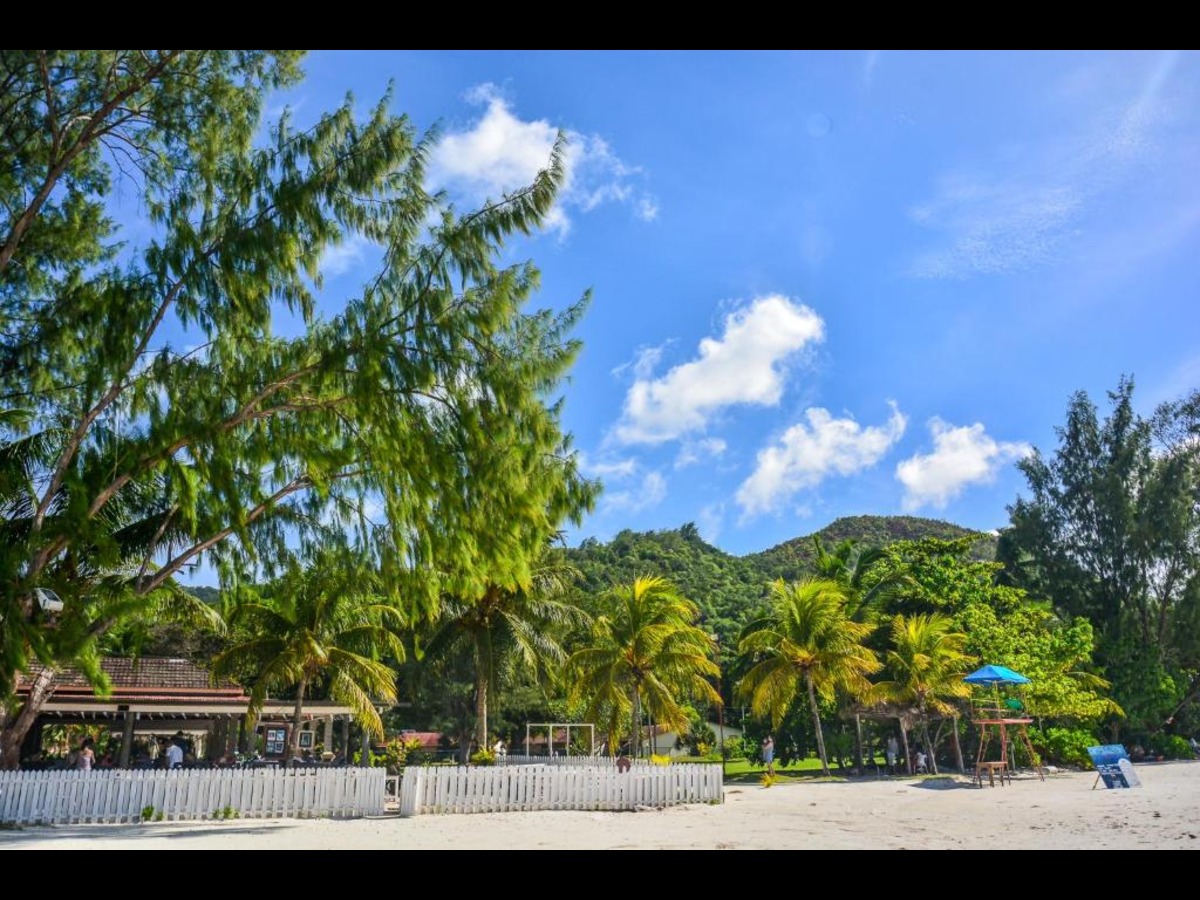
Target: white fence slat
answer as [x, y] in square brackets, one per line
[473, 789]
[112, 796]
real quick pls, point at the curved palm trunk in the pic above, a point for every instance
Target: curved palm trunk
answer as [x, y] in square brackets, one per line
[816, 716]
[904, 740]
[294, 738]
[929, 748]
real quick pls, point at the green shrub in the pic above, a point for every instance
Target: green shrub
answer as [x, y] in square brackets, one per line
[734, 748]
[1063, 746]
[147, 813]
[397, 754]
[1170, 746]
[483, 758]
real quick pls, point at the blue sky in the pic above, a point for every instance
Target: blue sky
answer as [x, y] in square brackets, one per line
[833, 283]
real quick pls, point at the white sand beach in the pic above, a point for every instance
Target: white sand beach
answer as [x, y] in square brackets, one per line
[1061, 813]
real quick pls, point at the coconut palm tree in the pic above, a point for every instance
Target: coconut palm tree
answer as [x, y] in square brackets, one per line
[508, 629]
[645, 652]
[863, 571]
[324, 624]
[927, 662]
[806, 643]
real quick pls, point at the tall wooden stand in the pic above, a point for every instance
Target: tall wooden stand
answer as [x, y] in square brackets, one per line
[1001, 725]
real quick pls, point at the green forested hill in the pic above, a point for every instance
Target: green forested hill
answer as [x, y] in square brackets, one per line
[792, 558]
[729, 588]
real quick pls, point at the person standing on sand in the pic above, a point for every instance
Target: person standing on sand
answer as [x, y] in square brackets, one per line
[893, 750]
[768, 754]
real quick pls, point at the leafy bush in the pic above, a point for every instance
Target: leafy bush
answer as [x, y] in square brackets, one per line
[147, 813]
[1170, 746]
[483, 758]
[1063, 746]
[734, 748]
[699, 739]
[658, 760]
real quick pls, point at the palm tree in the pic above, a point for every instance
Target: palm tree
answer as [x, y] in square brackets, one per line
[863, 572]
[927, 662]
[508, 629]
[325, 624]
[646, 652]
[808, 643]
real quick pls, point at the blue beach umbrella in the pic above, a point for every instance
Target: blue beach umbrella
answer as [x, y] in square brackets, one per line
[996, 675]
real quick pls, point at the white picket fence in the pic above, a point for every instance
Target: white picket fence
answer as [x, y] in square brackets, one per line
[121, 795]
[476, 789]
[520, 759]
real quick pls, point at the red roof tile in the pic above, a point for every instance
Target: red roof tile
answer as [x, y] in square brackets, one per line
[154, 677]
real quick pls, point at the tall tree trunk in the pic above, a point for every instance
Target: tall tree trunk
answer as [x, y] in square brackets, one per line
[14, 732]
[858, 747]
[904, 740]
[816, 716]
[294, 738]
[635, 737]
[481, 708]
[958, 757]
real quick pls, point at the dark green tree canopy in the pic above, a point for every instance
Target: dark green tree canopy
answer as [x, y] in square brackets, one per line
[1110, 531]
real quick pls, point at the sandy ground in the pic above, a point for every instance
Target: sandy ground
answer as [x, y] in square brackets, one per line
[1061, 813]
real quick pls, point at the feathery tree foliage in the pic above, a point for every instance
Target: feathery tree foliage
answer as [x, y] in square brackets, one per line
[926, 664]
[809, 644]
[1111, 532]
[644, 652]
[417, 413]
[324, 626]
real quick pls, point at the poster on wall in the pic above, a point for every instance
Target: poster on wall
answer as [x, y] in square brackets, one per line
[276, 741]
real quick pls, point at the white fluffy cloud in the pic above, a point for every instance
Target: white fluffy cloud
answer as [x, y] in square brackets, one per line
[340, 258]
[744, 365]
[502, 152]
[607, 468]
[650, 492]
[808, 453]
[961, 456]
[693, 452]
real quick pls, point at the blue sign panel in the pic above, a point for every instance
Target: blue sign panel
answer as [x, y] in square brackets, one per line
[1113, 765]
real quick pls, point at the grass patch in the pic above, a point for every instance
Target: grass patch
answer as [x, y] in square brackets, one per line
[744, 771]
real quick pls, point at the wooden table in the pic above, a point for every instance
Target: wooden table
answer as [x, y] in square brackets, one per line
[992, 767]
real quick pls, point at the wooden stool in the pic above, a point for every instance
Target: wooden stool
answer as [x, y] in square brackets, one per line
[992, 768]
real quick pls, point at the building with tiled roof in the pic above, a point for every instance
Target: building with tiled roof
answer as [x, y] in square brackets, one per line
[155, 697]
